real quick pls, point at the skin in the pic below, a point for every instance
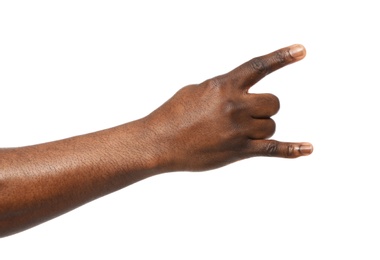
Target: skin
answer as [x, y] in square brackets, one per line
[203, 126]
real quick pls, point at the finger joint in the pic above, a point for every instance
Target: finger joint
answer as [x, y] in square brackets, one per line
[271, 148]
[259, 65]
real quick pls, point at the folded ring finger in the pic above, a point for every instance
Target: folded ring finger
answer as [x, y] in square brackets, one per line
[261, 128]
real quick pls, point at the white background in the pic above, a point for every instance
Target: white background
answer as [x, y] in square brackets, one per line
[73, 67]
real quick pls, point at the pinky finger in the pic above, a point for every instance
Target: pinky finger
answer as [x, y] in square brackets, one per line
[272, 148]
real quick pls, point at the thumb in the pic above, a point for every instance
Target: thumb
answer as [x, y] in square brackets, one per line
[274, 148]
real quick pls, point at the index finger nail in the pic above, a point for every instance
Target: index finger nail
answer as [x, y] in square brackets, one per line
[297, 51]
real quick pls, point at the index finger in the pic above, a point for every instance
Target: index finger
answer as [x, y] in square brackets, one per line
[254, 70]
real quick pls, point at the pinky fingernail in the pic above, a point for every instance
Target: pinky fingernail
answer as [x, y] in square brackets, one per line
[306, 149]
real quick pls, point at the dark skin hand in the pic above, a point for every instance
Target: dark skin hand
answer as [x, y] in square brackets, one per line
[202, 127]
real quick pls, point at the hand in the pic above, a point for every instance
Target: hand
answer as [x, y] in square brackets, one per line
[218, 122]
[201, 127]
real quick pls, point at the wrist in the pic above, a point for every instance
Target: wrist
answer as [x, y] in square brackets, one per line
[138, 148]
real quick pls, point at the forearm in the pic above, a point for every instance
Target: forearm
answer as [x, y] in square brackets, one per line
[43, 181]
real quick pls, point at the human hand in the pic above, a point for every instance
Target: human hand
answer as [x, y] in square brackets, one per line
[201, 127]
[218, 122]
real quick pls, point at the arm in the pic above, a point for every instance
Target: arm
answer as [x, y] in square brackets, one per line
[201, 127]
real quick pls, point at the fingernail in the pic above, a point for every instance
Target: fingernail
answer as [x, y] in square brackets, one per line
[297, 51]
[306, 149]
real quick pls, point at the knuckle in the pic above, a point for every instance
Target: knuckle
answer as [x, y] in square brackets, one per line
[232, 110]
[289, 151]
[259, 65]
[271, 148]
[281, 57]
[215, 82]
[229, 107]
